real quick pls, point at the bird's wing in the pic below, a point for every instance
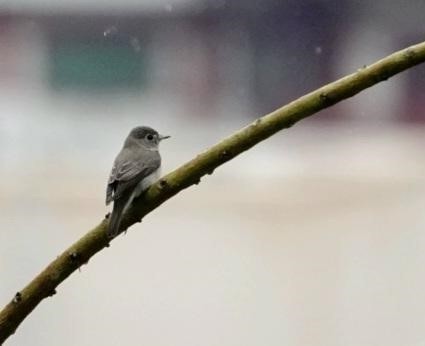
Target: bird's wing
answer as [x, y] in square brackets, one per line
[128, 170]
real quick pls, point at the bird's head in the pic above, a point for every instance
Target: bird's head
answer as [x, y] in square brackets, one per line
[145, 136]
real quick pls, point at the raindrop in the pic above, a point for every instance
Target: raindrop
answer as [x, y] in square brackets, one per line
[168, 7]
[112, 30]
[318, 50]
[135, 43]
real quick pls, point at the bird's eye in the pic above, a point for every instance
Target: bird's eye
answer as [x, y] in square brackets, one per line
[149, 137]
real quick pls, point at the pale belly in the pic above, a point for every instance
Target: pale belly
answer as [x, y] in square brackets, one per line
[144, 185]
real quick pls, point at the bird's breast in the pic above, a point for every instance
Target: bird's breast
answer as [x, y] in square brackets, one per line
[146, 182]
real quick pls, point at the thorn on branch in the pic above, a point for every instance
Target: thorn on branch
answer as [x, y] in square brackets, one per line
[73, 256]
[52, 293]
[17, 298]
[163, 184]
[384, 77]
[290, 123]
[325, 99]
[107, 216]
[225, 155]
[256, 123]
[362, 68]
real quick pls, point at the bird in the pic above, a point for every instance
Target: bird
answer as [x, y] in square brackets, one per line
[136, 167]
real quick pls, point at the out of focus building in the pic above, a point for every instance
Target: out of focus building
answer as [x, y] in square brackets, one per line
[262, 53]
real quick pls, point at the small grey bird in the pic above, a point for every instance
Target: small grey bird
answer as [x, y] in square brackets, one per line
[137, 166]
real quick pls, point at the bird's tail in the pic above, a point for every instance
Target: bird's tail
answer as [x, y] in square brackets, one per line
[116, 216]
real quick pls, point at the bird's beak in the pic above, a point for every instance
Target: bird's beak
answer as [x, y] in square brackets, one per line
[161, 137]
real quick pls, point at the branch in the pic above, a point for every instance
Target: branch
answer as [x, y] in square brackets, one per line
[44, 285]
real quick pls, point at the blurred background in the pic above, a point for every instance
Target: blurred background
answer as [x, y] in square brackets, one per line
[314, 237]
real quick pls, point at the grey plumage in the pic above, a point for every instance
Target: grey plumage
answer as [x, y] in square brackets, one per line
[135, 168]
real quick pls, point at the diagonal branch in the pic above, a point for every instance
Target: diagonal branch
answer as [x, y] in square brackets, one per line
[45, 283]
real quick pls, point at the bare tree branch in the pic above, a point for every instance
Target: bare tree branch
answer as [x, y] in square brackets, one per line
[44, 285]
